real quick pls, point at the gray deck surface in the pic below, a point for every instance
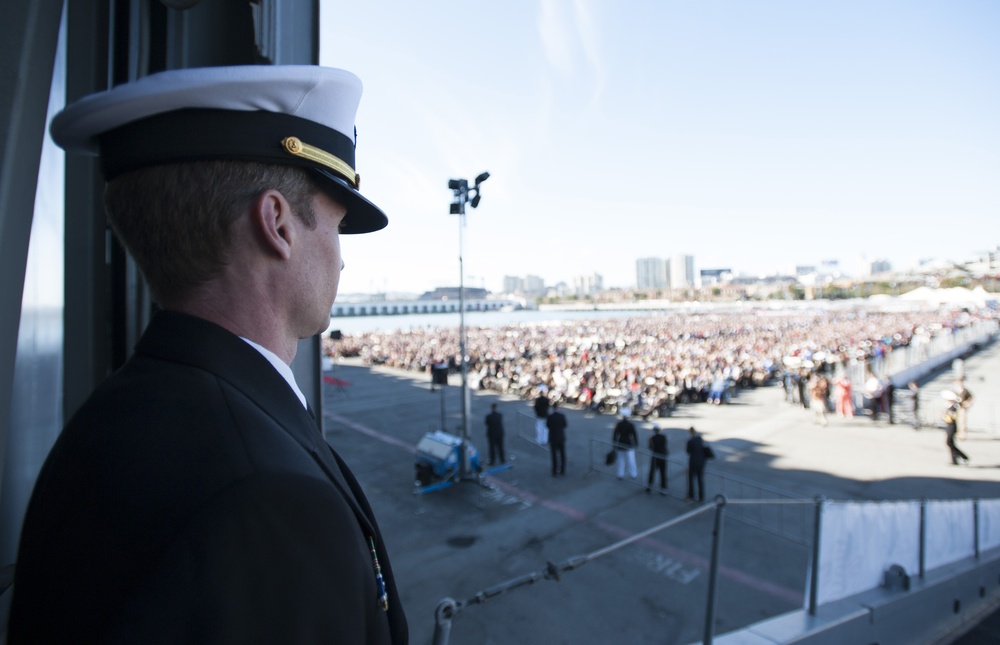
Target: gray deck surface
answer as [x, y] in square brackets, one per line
[467, 538]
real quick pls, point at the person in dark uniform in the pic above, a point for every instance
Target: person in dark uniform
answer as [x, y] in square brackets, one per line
[494, 435]
[192, 497]
[801, 384]
[556, 424]
[439, 373]
[541, 414]
[625, 441]
[951, 430]
[658, 464]
[696, 465]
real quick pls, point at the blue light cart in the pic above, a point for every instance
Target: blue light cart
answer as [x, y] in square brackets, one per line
[439, 462]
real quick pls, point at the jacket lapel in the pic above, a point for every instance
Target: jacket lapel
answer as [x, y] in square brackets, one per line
[186, 339]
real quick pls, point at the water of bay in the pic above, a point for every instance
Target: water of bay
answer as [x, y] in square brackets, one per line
[365, 324]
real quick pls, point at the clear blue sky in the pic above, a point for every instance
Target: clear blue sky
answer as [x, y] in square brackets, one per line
[752, 134]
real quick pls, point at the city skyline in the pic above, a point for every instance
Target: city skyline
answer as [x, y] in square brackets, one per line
[699, 277]
[754, 136]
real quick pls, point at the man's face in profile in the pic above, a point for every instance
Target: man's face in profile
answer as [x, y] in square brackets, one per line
[320, 267]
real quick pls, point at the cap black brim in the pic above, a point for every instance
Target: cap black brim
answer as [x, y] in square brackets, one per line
[362, 215]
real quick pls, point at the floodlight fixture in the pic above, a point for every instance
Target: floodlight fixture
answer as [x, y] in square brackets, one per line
[482, 177]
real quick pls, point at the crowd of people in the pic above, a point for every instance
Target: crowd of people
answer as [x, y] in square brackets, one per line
[652, 363]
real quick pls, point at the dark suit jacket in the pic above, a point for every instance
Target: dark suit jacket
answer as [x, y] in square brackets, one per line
[193, 499]
[624, 436]
[696, 452]
[556, 423]
[494, 425]
[542, 406]
[658, 444]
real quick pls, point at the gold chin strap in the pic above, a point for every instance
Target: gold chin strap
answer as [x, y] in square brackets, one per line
[295, 146]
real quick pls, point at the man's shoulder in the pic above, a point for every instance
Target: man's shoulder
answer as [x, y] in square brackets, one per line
[157, 412]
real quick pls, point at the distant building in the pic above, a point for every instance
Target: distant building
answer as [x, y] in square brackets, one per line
[830, 268]
[651, 273]
[984, 262]
[880, 266]
[534, 284]
[531, 285]
[715, 276]
[423, 306]
[871, 268]
[453, 293]
[560, 290]
[513, 284]
[588, 285]
[682, 274]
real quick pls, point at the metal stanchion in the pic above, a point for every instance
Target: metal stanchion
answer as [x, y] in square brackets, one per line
[814, 578]
[713, 572]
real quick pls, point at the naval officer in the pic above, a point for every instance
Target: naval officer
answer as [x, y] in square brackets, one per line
[192, 498]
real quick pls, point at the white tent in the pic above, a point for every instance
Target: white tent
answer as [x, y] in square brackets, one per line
[955, 296]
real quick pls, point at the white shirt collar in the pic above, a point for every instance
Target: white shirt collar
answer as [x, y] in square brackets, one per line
[282, 367]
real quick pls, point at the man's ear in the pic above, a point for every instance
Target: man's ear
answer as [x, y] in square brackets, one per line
[272, 219]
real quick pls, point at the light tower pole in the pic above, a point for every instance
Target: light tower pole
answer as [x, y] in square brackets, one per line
[460, 189]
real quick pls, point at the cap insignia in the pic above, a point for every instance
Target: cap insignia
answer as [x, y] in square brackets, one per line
[295, 146]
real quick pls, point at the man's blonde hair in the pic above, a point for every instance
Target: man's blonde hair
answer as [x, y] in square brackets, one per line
[176, 219]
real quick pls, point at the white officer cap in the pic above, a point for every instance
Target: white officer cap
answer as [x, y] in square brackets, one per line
[293, 115]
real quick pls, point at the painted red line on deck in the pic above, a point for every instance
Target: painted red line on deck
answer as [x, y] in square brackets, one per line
[783, 593]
